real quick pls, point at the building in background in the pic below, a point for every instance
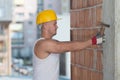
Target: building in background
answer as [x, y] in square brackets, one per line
[65, 6]
[23, 29]
[39, 8]
[40, 5]
[60, 6]
[5, 42]
[53, 4]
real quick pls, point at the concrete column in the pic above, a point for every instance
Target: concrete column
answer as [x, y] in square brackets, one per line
[109, 45]
[117, 40]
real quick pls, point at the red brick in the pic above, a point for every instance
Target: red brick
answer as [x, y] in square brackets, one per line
[89, 58]
[83, 34]
[90, 2]
[79, 4]
[81, 73]
[99, 1]
[101, 76]
[77, 19]
[86, 34]
[81, 56]
[90, 24]
[84, 58]
[77, 57]
[78, 74]
[72, 58]
[91, 54]
[74, 73]
[85, 3]
[84, 74]
[73, 35]
[76, 33]
[99, 65]
[81, 18]
[79, 35]
[95, 2]
[97, 74]
[86, 12]
[86, 17]
[73, 16]
[73, 2]
[94, 76]
[93, 14]
[89, 75]
[99, 15]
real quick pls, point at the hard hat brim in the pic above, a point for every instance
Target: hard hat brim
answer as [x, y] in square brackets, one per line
[49, 21]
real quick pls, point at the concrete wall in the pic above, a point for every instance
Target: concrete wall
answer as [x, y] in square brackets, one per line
[117, 40]
[111, 56]
[108, 46]
[28, 20]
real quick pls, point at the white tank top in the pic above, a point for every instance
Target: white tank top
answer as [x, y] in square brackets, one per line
[46, 69]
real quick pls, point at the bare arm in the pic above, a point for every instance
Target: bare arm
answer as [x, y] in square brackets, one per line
[53, 46]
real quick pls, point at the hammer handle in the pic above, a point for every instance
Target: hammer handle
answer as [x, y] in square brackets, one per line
[102, 30]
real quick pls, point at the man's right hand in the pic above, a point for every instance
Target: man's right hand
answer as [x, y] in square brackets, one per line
[98, 39]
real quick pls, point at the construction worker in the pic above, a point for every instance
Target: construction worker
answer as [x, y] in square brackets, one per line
[47, 50]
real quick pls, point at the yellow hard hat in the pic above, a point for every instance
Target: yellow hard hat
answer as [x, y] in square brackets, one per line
[46, 16]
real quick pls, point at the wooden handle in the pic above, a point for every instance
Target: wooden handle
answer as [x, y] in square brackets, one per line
[103, 25]
[102, 31]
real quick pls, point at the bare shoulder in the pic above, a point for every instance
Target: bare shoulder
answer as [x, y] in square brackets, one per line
[41, 47]
[45, 42]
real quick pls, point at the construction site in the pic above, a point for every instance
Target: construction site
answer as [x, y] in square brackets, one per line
[81, 20]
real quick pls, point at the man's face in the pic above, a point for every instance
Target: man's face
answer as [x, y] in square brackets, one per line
[52, 25]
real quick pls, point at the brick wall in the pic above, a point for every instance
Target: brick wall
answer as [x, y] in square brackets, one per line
[85, 17]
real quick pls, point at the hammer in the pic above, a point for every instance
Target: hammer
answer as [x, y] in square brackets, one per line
[103, 25]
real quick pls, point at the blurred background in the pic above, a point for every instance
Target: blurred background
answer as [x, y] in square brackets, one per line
[18, 33]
